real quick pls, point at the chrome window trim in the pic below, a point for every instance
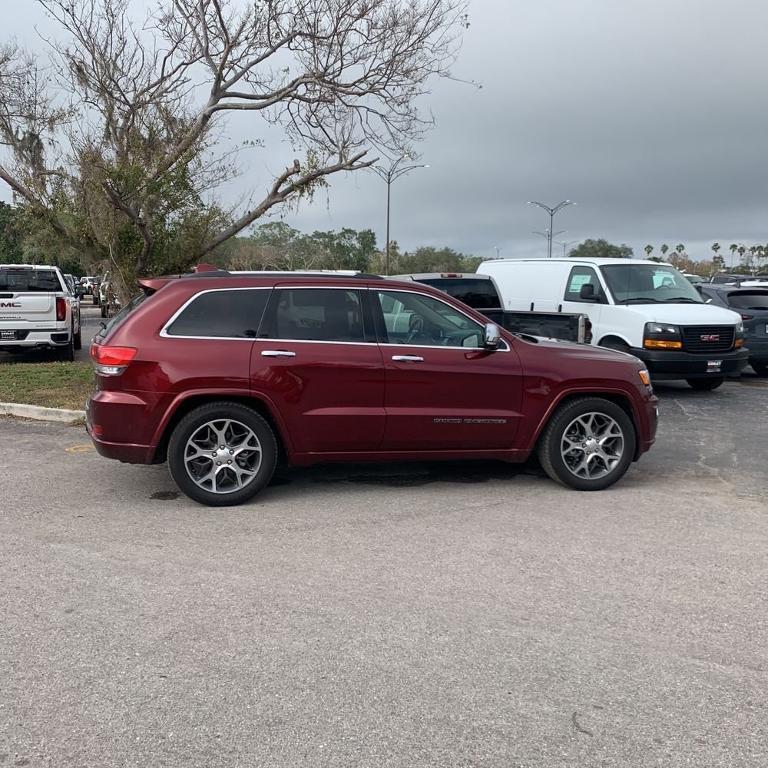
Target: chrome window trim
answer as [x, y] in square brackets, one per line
[164, 330]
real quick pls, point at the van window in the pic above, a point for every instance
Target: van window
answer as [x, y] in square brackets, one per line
[648, 284]
[581, 276]
[222, 314]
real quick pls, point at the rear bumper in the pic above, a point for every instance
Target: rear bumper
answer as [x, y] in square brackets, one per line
[758, 349]
[116, 414]
[27, 338]
[667, 365]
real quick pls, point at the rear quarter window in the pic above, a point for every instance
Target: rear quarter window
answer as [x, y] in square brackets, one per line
[232, 314]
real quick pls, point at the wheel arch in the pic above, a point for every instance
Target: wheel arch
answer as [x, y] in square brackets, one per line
[189, 401]
[616, 396]
[614, 337]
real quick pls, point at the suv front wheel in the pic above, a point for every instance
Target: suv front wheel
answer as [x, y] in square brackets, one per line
[222, 454]
[588, 444]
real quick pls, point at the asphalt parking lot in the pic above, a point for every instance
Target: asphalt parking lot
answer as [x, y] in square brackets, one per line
[393, 616]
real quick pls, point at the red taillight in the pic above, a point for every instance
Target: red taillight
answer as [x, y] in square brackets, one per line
[111, 361]
[61, 309]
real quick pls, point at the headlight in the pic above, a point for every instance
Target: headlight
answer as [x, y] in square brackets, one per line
[662, 336]
[740, 327]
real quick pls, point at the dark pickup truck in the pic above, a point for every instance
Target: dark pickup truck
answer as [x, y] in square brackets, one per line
[480, 293]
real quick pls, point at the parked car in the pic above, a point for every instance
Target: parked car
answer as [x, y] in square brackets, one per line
[221, 374]
[481, 293]
[752, 305]
[643, 308]
[694, 279]
[38, 310]
[87, 283]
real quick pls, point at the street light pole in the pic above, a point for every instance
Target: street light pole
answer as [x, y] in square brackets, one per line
[390, 175]
[551, 211]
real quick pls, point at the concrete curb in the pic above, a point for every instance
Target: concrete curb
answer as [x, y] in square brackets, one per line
[39, 413]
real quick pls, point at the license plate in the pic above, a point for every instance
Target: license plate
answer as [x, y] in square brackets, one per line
[713, 366]
[7, 335]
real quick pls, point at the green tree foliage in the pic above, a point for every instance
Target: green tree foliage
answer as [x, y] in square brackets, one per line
[600, 249]
[10, 241]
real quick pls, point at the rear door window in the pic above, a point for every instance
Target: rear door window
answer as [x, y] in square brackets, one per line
[316, 314]
[21, 280]
[231, 314]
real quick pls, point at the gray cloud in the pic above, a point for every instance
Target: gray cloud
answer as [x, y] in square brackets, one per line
[651, 115]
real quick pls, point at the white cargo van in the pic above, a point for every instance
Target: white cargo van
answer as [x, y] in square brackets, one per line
[37, 309]
[644, 308]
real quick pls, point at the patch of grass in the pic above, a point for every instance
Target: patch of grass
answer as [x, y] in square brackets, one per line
[53, 385]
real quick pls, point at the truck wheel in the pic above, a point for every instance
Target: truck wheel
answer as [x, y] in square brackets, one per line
[616, 344]
[588, 444]
[761, 369]
[103, 310]
[222, 454]
[79, 339]
[95, 299]
[705, 385]
[67, 354]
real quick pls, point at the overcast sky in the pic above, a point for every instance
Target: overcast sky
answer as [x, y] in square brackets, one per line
[650, 114]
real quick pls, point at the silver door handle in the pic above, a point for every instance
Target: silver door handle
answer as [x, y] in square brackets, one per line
[407, 359]
[277, 353]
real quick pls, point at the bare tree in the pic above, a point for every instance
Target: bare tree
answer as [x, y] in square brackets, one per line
[134, 147]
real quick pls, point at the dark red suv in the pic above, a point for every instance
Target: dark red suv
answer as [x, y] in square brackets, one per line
[226, 374]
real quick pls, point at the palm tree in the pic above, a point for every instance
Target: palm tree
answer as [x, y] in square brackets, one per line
[715, 248]
[648, 250]
[680, 248]
[664, 248]
[742, 250]
[733, 248]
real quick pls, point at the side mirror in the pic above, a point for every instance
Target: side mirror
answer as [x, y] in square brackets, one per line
[491, 336]
[587, 293]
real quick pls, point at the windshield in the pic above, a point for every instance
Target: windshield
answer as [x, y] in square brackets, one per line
[24, 280]
[648, 284]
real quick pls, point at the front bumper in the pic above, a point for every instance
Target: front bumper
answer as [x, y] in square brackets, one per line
[668, 365]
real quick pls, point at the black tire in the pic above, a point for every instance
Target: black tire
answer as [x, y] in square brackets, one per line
[95, 299]
[761, 369]
[67, 354]
[705, 385]
[103, 311]
[79, 339]
[213, 412]
[615, 344]
[550, 454]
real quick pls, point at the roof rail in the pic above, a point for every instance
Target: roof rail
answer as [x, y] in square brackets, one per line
[216, 272]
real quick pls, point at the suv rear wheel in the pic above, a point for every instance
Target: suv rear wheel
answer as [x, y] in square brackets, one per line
[588, 444]
[222, 454]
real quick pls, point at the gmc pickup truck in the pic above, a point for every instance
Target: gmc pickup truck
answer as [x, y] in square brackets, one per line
[37, 310]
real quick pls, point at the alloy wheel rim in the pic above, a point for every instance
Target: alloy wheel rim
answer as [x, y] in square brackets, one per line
[222, 456]
[592, 446]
